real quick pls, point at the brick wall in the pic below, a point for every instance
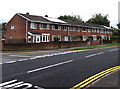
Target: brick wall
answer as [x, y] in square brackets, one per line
[19, 30]
[49, 45]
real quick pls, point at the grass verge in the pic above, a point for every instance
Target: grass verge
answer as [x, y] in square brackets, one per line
[99, 46]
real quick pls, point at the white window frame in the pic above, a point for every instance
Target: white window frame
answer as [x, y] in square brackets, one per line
[109, 37]
[66, 38]
[33, 25]
[89, 30]
[84, 38]
[94, 37]
[37, 37]
[47, 36]
[73, 28]
[98, 30]
[12, 26]
[94, 30]
[41, 26]
[101, 31]
[105, 31]
[84, 30]
[59, 27]
[65, 28]
[78, 29]
[29, 37]
[102, 36]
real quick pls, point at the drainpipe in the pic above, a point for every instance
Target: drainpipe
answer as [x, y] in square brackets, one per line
[26, 31]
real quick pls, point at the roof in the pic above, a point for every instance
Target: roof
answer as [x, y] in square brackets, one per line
[41, 18]
[94, 25]
[82, 24]
[49, 20]
[34, 33]
[35, 18]
[77, 23]
[54, 20]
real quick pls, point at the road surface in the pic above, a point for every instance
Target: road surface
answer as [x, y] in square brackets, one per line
[61, 70]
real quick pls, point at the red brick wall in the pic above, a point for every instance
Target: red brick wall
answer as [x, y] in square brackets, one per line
[48, 45]
[19, 30]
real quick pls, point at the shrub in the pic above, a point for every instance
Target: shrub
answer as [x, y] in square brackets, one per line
[115, 37]
[56, 39]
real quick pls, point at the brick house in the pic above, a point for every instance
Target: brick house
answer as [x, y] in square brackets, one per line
[36, 29]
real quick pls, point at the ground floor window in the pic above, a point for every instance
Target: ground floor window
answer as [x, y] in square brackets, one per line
[84, 38]
[53, 36]
[94, 37]
[45, 37]
[66, 38]
[29, 39]
[36, 39]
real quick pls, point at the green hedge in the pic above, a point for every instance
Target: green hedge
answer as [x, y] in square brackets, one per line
[115, 37]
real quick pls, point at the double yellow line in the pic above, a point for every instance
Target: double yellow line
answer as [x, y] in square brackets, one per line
[95, 77]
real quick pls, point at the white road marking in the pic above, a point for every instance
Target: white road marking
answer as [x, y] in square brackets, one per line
[24, 84]
[113, 50]
[23, 60]
[49, 66]
[12, 85]
[11, 62]
[100, 53]
[0, 63]
[91, 55]
[20, 56]
[94, 54]
[6, 83]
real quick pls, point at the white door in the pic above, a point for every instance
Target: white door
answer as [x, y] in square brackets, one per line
[36, 39]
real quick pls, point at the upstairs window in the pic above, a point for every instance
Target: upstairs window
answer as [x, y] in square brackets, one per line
[12, 26]
[64, 28]
[84, 30]
[94, 30]
[98, 30]
[71, 28]
[101, 31]
[56, 27]
[33, 25]
[44, 26]
[89, 30]
[76, 28]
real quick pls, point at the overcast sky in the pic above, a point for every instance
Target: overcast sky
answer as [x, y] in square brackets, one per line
[55, 8]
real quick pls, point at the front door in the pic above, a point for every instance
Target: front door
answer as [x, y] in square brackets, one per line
[36, 39]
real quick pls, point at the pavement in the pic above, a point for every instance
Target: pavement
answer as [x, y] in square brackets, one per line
[57, 70]
[110, 81]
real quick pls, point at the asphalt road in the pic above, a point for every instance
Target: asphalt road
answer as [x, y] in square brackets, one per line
[58, 69]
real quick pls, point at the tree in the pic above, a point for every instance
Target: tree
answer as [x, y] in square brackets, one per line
[4, 26]
[99, 19]
[69, 17]
[118, 25]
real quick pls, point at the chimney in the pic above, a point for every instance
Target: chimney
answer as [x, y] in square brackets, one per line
[46, 15]
[27, 13]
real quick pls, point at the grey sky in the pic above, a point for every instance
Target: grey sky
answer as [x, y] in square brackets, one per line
[55, 8]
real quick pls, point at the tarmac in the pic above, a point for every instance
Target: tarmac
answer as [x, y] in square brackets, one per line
[111, 81]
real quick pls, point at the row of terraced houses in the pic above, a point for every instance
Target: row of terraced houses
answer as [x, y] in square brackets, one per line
[37, 29]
